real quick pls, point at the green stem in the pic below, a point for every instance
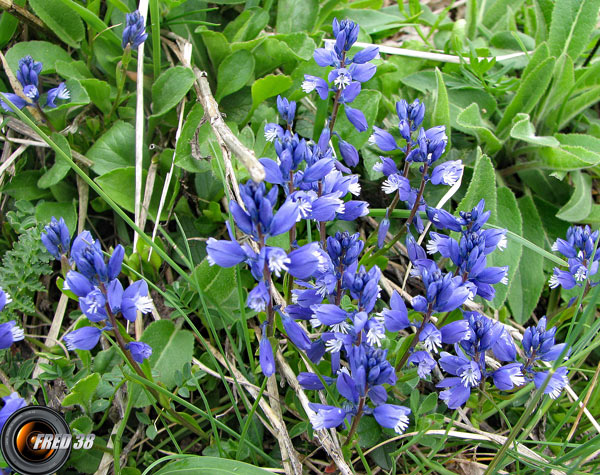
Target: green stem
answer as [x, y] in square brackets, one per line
[359, 413]
[415, 339]
[119, 436]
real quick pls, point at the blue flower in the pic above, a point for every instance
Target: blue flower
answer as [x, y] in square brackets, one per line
[311, 381]
[134, 33]
[315, 83]
[578, 248]
[325, 417]
[28, 71]
[447, 173]
[266, 358]
[539, 343]
[78, 283]
[397, 183]
[139, 351]
[486, 334]
[287, 109]
[134, 299]
[4, 299]
[59, 92]
[56, 237]
[445, 292]
[346, 34]
[85, 338]
[9, 333]
[467, 375]
[348, 152]
[383, 139]
[258, 297]
[413, 113]
[384, 226]
[396, 318]
[12, 403]
[557, 382]
[509, 376]
[423, 361]
[295, 332]
[356, 118]
[392, 417]
[92, 305]
[87, 254]
[225, 253]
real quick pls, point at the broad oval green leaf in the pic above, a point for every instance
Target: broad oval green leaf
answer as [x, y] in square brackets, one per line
[294, 15]
[114, 149]
[267, 87]
[61, 19]
[234, 73]
[83, 391]
[170, 87]
[43, 51]
[209, 466]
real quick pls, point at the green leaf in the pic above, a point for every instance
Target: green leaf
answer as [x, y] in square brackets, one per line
[509, 217]
[296, 16]
[573, 106]
[8, 27]
[267, 87]
[369, 432]
[63, 21]
[523, 130]
[572, 23]
[441, 108]
[114, 149]
[120, 182]
[470, 121]
[497, 10]
[529, 280]
[60, 168]
[73, 69]
[235, 72]
[23, 186]
[247, 25]
[372, 21]
[562, 85]
[575, 151]
[99, 92]
[171, 349]
[368, 102]
[199, 465]
[531, 89]
[83, 391]
[216, 44]
[43, 51]
[428, 404]
[170, 88]
[183, 153]
[579, 205]
[82, 424]
[46, 209]
[222, 298]
[483, 185]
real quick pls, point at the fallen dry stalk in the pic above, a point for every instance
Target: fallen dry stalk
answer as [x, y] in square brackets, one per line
[223, 132]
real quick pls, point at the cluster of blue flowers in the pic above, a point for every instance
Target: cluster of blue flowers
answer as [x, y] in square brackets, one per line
[426, 149]
[134, 33]
[337, 296]
[28, 75]
[347, 75]
[96, 284]
[580, 248]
